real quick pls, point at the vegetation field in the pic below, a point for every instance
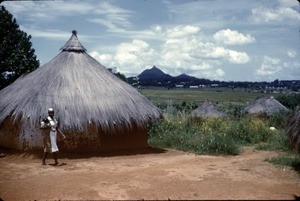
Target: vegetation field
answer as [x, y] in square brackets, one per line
[219, 136]
[225, 96]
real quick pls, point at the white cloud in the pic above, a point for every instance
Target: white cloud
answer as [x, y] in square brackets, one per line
[281, 14]
[292, 53]
[181, 50]
[238, 57]
[129, 58]
[227, 54]
[112, 17]
[215, 74]
[229, 37]
[103, 58]
[182, 31]
[269, 67]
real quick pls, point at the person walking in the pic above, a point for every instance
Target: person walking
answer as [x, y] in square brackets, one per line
[51, 128]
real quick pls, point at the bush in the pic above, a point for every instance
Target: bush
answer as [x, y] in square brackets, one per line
[278, 120]
[278, 140]
[214, 136]
[219, 144]
[289, 100]
[248, 131]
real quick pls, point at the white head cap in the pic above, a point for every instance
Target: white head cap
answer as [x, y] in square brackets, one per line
[50, 110]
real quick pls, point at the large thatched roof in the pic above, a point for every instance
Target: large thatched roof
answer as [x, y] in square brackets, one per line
[266, 106]
[81, 91]
[207, 110]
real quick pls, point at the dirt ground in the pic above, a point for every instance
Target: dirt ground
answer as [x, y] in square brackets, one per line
[149, 174]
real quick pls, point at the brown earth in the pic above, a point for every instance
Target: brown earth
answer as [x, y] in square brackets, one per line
[149, 174]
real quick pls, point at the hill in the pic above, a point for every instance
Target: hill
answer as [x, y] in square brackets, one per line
[156, 77]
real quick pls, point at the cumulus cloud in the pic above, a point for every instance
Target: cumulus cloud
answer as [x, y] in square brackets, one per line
[214, 74]
[269, 67]
[292, 53]
[129, 58]
[217, 52]
[273, 15]
[104, 59]
[229, 37]
[182, 49]
[182, 31]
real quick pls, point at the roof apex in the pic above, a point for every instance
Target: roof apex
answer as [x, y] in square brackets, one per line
[73, 44]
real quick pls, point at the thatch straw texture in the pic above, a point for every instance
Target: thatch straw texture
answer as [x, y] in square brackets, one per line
[267, 106]
[82, 92]
[293, 129]
[207, 110]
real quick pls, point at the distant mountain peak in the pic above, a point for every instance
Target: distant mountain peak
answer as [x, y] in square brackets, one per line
[153, 73]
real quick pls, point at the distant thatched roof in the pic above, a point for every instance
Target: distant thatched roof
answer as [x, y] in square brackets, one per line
[293, 128]
[207, 110]
[81, 91]
[266, 106]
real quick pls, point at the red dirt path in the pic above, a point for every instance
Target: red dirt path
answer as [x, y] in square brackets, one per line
[151, 175]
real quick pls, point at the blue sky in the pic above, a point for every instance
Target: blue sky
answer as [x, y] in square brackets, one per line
[230, 40]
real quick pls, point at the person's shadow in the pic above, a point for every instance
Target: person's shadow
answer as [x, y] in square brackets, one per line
[54, 164]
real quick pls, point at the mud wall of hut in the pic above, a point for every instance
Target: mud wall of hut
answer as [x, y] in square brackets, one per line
[23, 136]
[96, 140]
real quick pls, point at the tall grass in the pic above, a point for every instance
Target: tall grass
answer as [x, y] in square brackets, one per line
[216, 136]
[208, 136]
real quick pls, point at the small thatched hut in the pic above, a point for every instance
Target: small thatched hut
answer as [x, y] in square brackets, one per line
[207, 110]
[293, 129]
[96, 109]
[265, 106]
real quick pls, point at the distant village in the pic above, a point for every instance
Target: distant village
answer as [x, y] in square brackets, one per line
[156, 78]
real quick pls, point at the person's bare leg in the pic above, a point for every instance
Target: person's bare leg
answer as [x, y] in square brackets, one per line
[44, 158]
[55, 158]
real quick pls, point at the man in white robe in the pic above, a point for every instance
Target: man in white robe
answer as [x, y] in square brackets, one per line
[50, 139]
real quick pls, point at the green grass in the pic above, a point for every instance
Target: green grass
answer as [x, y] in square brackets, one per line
[161, 96]
[278, 140]
[289, 160]
[210, 136]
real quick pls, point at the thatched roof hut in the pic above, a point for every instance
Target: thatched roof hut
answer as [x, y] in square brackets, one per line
[96, 109]
[207, 110]
[266, 106]
[293, 129]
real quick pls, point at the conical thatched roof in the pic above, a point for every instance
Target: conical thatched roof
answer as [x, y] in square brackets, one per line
[266, 106]
[207, 110]
[293, 128]
[81, 91]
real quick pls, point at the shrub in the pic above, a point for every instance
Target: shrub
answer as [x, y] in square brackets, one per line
[278, 140]
[278, 120]
[213, 136]
[248, 131]
[289, 100]
[219, 144]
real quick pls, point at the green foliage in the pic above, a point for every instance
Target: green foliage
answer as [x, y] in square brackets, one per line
[161, 96]
[278, 140]
[16, 55]
[234, 110]
[209, 136]
[248, 131]
[114, 71]
[292, 161]
[218, 143]
[278, 120]
[289, 100]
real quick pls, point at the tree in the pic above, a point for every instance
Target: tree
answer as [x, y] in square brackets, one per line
[16, 55]
[118, 74]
